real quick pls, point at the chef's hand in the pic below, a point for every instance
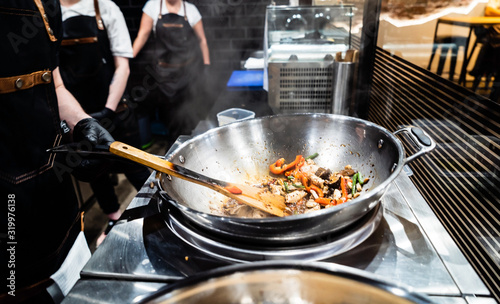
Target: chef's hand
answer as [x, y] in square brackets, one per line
[105, 117]
[206, 71]
[89, 130]
[90, 135]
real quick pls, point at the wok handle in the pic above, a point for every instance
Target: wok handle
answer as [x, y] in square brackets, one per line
[421, 138]
[245, 194]
[162, 165]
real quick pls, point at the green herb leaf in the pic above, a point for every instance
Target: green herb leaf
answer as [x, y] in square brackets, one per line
[354, 180]
[312, 156]
[360, 179]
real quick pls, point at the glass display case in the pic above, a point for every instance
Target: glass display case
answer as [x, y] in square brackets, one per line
[308, 32]
[301, 45]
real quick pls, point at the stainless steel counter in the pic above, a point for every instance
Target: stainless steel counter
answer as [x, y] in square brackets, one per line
[409, 247]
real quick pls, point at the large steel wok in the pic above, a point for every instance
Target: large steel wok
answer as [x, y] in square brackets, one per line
[243, 151]
[285, 282]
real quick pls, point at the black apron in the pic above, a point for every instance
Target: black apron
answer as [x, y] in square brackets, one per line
[25, 112]
[179, 60]
[86, 61]
[43, 202]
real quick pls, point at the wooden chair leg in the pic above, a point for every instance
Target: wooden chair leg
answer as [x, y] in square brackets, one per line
[434, 49]
[442, 58]
[453, 61]
[475, 83]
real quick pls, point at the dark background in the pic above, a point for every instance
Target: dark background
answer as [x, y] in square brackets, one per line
[234, 29]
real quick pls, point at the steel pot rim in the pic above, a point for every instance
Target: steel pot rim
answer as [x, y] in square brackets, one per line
[366, 196]
[335, 270]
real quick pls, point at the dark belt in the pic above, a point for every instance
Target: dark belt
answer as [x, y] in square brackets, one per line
[23, 82]
[164, 64]
[76, 41]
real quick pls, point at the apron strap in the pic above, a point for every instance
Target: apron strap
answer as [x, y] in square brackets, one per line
[159, 14]
[41, 9]
[185, 12]
[84, 40]
[100, 26]
[98, 18]
[82, 222]
[183, 3]
[23, 82]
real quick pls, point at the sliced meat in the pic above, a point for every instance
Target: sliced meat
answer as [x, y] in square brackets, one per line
[309, 169]
[323, 173]
[347, 172]
[233, 208]
[295, 196]
[276, 189]
[318, 181]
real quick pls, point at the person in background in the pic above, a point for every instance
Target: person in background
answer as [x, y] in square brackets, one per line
[493, 10]
[40, 225]
[94, 64]
[488, 59]
[180, 56]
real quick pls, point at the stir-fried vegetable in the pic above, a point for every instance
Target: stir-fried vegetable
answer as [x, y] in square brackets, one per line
[234, 189]
[278, 167]
[312, 156]
[360, 179]
[306, 186]
[354, 181]
[323, 201]
[343, 188]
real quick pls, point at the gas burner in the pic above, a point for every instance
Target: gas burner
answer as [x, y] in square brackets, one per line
[322, 247]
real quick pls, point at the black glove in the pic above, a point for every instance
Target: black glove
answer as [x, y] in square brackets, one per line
[206, 71]
[91, 136]
[88, 130]
[105, 117]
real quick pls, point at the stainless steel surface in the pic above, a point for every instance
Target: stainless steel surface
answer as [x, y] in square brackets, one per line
[474, 300]
[241, 152]
[448, 300]
[425, 143]
[452, 258]
[113, 291]
[409, 247]
[301, 87]
[286, 282]
[298, 59]
[343, 84]
[398, 250]
[110, 291]
[320, 248]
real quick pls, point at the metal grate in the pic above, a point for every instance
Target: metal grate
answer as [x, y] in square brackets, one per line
[459, 179]
[299, 87]
[299, 105]
[309, 95]
[306, 72]
[306, 83]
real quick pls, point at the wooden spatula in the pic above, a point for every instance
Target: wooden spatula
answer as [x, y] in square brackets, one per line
[259, 198]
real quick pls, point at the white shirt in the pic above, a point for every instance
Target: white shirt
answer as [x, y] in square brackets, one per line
[112, 17]
[152, 9]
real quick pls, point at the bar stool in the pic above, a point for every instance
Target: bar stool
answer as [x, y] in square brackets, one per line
[447, 43]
